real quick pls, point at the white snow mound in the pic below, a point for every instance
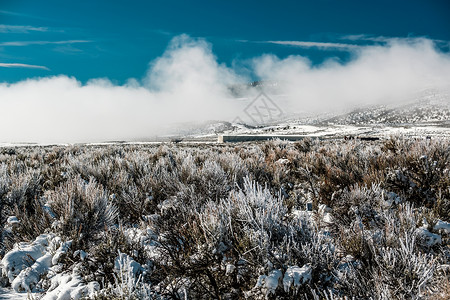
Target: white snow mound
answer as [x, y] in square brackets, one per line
[70, 287]
[269, 282]
[29, 277]
[24, 255]
[296, 276]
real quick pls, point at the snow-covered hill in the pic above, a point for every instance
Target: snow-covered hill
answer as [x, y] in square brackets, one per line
[429, 106]
[426, 113]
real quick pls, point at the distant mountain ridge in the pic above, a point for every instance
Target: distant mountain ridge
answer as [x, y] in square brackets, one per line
[429, 106]
[426, 113]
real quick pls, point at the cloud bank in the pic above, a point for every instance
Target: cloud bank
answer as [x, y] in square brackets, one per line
[187, 84]
[377, 74]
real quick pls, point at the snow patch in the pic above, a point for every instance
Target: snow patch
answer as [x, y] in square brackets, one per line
[70, 286]
[296, 276]
[125, 264]
[270, 282]
[229, 269]
[430, 238]
[445, 226]
[80, 253]
[61, 251]
[24, 255]
[29, 277]
[12, 220]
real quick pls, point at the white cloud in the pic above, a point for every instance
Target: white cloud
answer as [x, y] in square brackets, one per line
[18, 65]
[28, 43]
[387, 39]
[188, 84]
[318, 45]
[185, 84]
[20, 29]
[376, 74]
[361, 37]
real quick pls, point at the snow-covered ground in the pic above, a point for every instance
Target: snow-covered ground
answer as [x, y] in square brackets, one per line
[8, 294]
[339, 131]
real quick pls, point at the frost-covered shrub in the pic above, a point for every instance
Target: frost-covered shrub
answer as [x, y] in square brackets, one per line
[81, 209]
[20, 195]
[128, 281]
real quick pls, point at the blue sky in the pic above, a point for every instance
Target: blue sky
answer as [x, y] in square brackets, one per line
[118, 39]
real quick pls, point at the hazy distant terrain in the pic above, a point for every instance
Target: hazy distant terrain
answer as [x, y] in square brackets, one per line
[426, 113]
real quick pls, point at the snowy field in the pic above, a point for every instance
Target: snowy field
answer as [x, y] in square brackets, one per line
[314, 218]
